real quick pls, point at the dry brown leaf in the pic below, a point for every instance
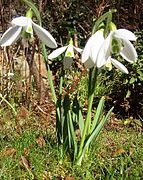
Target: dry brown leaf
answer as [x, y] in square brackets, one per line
[26, 151]
[40, 141]
[69, 178]
[47, 175]
[132, 149]
[22, 114]
[25, 163]
[119, 152]
[9, 152]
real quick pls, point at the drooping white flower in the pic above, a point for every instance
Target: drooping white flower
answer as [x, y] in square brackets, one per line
[117, 43]
[90, 52]
[25, 23]
[69, 54]
[99, 50]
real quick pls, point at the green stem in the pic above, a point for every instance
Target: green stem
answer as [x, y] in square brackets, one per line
[49, 73]
[101, 19]
[61, 81]
[92, 83]
[50, 79]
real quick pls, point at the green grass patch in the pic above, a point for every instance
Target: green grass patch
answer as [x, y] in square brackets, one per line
[33, 154]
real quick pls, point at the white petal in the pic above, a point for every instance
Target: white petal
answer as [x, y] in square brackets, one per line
[124, 34]
[89, 63]
[69, 51]
[87, 50]
[101, 59]
[119, 65]
[20, 21]
[10, 36]
[96, 45]
[44, 36]
[91, 43]
[57, 52]
[67, 62]
[104, 52]
[78, 49]
[128, 52]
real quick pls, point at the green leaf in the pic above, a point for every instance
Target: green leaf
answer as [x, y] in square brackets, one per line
[132, 80]
[73, 135]
[65, 117]
[69, 134]
[95, 132]
[128, 94]
[98, 113]
[140, 74]
[31, 5]
[81, 123]
[77, 114]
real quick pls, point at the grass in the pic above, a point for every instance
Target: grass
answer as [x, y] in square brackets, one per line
[31, 152]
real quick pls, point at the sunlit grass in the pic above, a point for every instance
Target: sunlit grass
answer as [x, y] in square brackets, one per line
[33, 153]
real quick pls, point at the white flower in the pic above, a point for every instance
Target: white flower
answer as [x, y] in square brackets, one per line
[25, 23]
[90, 52]
[69, 54]
[117, 43]
[98, 50]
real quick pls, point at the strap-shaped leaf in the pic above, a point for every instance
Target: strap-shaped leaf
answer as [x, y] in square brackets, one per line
[96, 132]
[73, 134]
[77, 114]
[98, 113]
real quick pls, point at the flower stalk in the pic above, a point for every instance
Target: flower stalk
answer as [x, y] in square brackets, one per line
[93, 73]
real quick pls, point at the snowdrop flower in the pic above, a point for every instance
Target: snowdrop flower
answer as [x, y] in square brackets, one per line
[90, 52]
[117, 43]
[99, 50]
[25, 23]
[69, 54]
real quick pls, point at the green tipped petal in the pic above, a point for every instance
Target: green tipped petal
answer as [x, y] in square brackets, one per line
[10, 36]
[128, 52]
[119, 65]
[44, 36]
[57, 52]
[29, 28]
[69, 51]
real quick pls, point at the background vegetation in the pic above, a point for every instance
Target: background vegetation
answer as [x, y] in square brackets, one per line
[28, 147]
